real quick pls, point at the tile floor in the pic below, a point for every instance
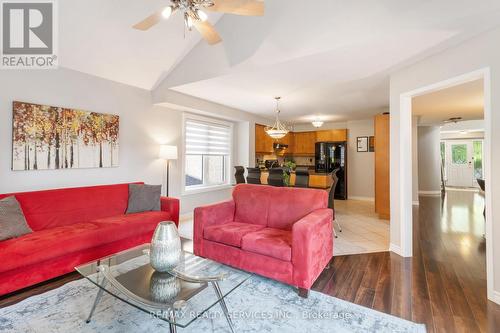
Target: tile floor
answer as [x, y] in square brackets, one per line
[362, 231]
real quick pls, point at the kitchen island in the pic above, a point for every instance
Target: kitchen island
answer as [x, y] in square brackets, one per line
[316, 179]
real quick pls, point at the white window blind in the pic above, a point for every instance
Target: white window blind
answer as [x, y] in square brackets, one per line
[206, 138]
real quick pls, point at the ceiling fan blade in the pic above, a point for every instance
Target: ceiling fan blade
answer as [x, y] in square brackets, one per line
[149, 21]
[238, 7]
[207, 31]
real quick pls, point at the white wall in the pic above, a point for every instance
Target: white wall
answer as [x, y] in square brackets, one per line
[469, 125]
[470, 129]
[429, 160]
[361, 166]
[462, 136]
[414, 140]
[477, 53]
[143, 126]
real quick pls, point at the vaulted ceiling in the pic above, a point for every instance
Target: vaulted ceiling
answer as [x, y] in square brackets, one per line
[327, 58]
[96, 37]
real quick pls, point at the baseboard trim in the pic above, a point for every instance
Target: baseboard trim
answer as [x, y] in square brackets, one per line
[353, 197]
[186, 216]
[429, 193]
[396, 249]
[416, 203]
[495, 297]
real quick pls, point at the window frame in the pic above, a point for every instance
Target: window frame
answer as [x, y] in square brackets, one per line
[227, 164]
[481, 140]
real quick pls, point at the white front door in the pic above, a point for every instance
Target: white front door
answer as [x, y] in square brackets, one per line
[459, 163]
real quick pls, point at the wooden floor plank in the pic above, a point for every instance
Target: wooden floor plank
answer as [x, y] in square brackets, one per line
[385, 289]
[366, 293]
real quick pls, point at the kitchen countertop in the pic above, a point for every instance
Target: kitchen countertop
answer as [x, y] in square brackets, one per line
[311, 172]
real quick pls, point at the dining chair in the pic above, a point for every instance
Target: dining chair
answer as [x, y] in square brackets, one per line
[253, 176]
[275, 177]
[480, 181]
[302, 177]
[331, 199]
[239, 175]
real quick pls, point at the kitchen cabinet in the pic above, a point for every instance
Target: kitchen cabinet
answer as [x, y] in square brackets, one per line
[288, 140]
[316, 180]
[304, 143]
[263, 142]
[331, 135]
[382, 169]
[299, 143]
[320, 180]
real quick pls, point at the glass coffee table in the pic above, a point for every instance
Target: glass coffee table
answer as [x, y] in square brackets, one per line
[178, 297]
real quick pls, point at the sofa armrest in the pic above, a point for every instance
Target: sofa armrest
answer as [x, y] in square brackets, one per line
[312, 246]
[172, 206]
[204, 216]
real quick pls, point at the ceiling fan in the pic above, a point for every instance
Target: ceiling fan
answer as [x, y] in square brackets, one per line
[194, 15]
[453, 120]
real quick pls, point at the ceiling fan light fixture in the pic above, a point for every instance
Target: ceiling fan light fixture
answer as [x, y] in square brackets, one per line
[167, 12]
[188, 21]
[201, 15]
[317, 123]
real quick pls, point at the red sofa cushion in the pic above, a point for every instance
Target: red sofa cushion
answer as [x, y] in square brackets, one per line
[134, 224]
[275, 207]
[55, 208]
[276, 243]
[229, 233]
[288, 205]
[48, 244]
[251, 204]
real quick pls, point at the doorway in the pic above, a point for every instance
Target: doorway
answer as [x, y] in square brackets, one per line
[405, 187]
[462, 162]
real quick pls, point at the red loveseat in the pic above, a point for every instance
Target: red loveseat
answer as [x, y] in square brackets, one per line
[73, 226]
[282, 233]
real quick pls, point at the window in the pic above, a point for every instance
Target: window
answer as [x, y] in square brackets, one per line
[459, 154]
[207, 145]
[478, 159]
[443, 160]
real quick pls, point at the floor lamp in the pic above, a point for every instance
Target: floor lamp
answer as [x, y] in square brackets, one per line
[167, 153]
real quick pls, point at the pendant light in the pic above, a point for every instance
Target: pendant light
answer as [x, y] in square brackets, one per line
[317, 123]
[278, 130]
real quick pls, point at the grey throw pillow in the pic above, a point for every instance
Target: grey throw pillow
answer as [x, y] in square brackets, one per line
[12, 221]
[143, 198]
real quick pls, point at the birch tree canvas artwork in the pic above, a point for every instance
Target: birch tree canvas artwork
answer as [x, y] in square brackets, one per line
[47, 137]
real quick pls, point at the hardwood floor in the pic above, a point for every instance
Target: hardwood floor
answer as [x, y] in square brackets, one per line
[442, 286]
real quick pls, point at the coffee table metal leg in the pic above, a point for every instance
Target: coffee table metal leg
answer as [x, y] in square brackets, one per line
[173, 327]
[97, 299]
[223, 305]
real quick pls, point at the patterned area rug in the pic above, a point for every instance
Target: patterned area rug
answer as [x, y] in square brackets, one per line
[259, 305]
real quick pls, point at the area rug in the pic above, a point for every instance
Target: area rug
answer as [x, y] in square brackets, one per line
[259, 305]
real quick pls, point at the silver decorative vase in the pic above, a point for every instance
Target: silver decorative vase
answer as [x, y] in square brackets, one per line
[164, 287]
[165, 251]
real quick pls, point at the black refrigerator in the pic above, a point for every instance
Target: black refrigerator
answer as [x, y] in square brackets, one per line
[330, 156]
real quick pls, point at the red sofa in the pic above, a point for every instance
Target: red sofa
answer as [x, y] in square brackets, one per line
[282, 233]
[73, 226]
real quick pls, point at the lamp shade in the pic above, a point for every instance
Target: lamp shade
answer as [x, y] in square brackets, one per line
[168, 152]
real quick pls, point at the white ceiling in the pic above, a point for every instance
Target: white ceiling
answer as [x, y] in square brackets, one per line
[327, 57]
[464, 100]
